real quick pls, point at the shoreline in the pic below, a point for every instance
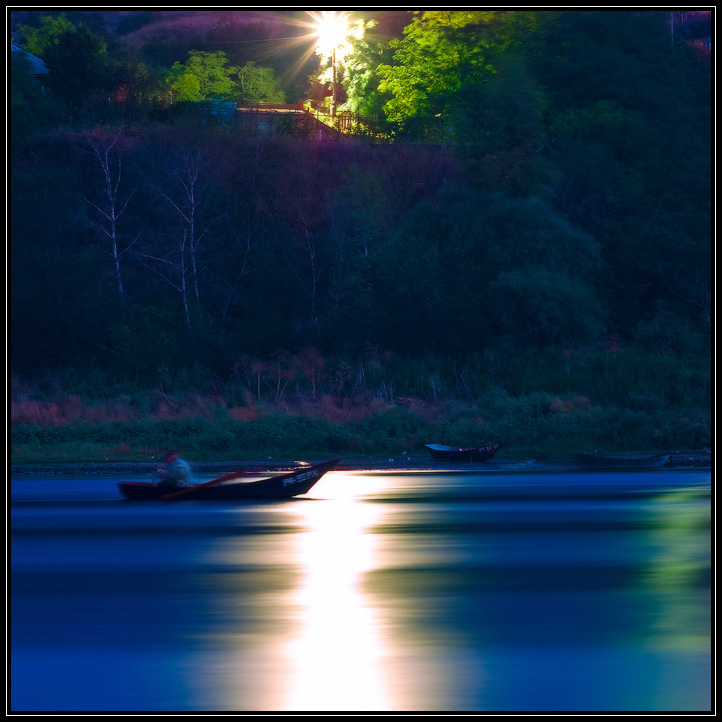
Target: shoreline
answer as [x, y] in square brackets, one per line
[407, 463]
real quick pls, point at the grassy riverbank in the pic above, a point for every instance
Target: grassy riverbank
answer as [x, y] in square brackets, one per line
[537, 425]
[630, 402]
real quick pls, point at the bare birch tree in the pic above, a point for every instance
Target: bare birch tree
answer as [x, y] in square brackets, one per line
[229, 283]
[173, 269]
[307, 190]
[108, 203]
[180, 186]
[306, 240]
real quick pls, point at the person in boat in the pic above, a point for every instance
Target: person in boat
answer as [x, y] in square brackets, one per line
[175, 473]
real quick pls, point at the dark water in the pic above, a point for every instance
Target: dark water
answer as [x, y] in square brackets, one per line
[526, 592]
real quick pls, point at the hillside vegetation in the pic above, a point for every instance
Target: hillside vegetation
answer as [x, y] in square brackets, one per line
[538, 272]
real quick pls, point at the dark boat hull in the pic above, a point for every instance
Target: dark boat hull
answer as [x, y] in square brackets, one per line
[451, 453]
[281, 486]
[592, 461]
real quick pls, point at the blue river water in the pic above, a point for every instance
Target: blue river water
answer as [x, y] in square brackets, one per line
[376, 592]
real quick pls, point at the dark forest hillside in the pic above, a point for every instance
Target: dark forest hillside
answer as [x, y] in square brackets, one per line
[566, 213]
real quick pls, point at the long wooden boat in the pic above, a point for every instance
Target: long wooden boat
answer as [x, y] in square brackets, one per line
[455, 453]
[596, 461]
[279, 486]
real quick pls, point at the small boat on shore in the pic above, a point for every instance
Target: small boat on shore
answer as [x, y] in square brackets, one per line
[279, 486]
[440, 452]
[596, 461]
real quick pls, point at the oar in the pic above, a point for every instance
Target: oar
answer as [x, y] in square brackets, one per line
[212, 482]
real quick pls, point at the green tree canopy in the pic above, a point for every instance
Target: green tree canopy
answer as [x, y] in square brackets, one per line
[541, 306]
[49, 32]
[207, 75]
[445, 271]
[258, 84]
[204, 75]
[442, 51]
[82, 71]
[31, 110]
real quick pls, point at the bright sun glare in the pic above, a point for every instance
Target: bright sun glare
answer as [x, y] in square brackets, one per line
[332, 31]
[321, 33]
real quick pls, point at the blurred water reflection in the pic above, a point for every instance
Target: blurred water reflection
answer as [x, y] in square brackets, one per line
[337, 648]
[379, 592]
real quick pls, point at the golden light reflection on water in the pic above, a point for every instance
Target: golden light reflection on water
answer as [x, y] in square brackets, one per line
[298, 631]
[336, 655]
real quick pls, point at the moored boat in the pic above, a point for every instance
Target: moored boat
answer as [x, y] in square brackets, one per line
[596, 461]
[440, 452]
[279, 486]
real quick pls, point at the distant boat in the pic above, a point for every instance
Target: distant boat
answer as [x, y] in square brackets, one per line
[455, 453]
[595, 461]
